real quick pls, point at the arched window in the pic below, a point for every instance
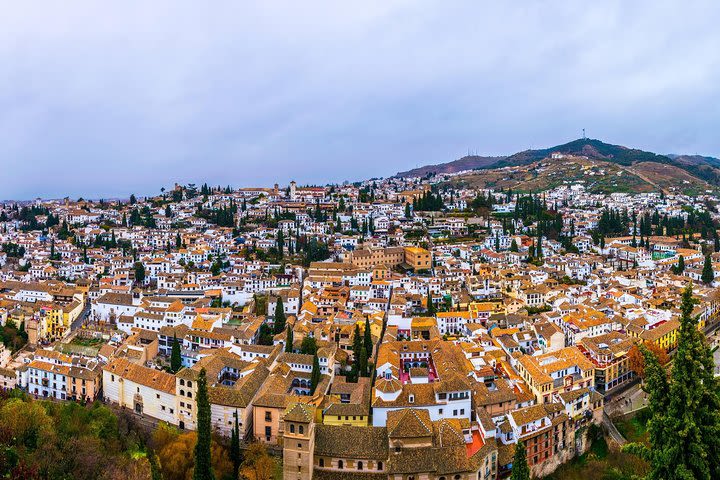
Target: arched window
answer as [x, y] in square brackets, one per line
[380, 465]
[360, 465]
[182, 392]
[189, 383]
[189, 394]
[182, 382]
[302, 430]
[340, 464]
[457, 477]
[322, 462]
[292, 428]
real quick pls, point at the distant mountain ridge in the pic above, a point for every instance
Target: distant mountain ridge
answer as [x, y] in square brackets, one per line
[704, 168]
[468, 162]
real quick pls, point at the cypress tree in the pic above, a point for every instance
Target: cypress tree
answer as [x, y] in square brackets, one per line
[289, 339]
[280, 320]
[367, 339]
[685, 410]
[680, 268]
[513, 246]
[315, 376]
[175, 357]
[363, 363]
[520, 468]
[203, 466]
[235, 453]
[707, 272]
[430, 305]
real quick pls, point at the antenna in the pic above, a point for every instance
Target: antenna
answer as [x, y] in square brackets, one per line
[583, 134]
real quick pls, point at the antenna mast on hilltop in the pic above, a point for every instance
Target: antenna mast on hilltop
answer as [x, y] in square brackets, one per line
[583, 134]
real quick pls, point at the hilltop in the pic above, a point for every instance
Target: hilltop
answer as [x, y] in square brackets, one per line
[601, 166]
[468, 162]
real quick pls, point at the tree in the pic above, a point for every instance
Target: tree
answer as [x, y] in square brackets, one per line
[707, 272]
[288, 339]
[279, 319]
[308, 345]
[684, 419]
[367, 339]
[257, 465]
[139, 272]
[680, 267]
[363, 362]
[235, 452]
[203, 461]
[636, 358]
[315, 375]
[513, 246]
[175, 357]
[431, 310]
[520, 468]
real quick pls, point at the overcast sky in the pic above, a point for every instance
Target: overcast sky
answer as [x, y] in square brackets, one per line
[104, 99]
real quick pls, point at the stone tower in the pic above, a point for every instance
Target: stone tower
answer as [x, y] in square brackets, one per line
[298, 442]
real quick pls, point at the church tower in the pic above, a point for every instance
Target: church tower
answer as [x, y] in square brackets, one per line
[298, 442]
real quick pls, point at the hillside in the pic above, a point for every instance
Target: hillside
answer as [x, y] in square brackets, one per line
[470, 162]
[596, 175]
[625, 169]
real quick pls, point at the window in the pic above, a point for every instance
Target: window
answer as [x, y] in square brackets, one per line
[380, 466]
[341, 465]
[301, 429]
[321, 463]
[360, 465]
[411, 398]
[182, 382]
[292, 428]
[189, 384]
[268, 416]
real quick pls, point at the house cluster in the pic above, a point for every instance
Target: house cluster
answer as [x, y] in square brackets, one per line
[398, 328]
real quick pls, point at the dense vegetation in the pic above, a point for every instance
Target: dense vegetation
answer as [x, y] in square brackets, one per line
[42, 440]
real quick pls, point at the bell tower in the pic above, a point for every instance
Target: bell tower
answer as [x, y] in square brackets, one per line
[298, 442]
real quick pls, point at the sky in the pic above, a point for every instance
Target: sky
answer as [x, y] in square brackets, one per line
[104, 99]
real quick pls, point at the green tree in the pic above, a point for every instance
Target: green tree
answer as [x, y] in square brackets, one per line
[203, 466]
[289, 339]
[139, 272]
[685, 410]
[680, 267]
[315, 375]
[520, 468]
[279, 319]
[175, 358]
[309, 345]
[431, 309]
[363, 362]
[367, 339]
[707, 272]
[236, 455]
[513, 246]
